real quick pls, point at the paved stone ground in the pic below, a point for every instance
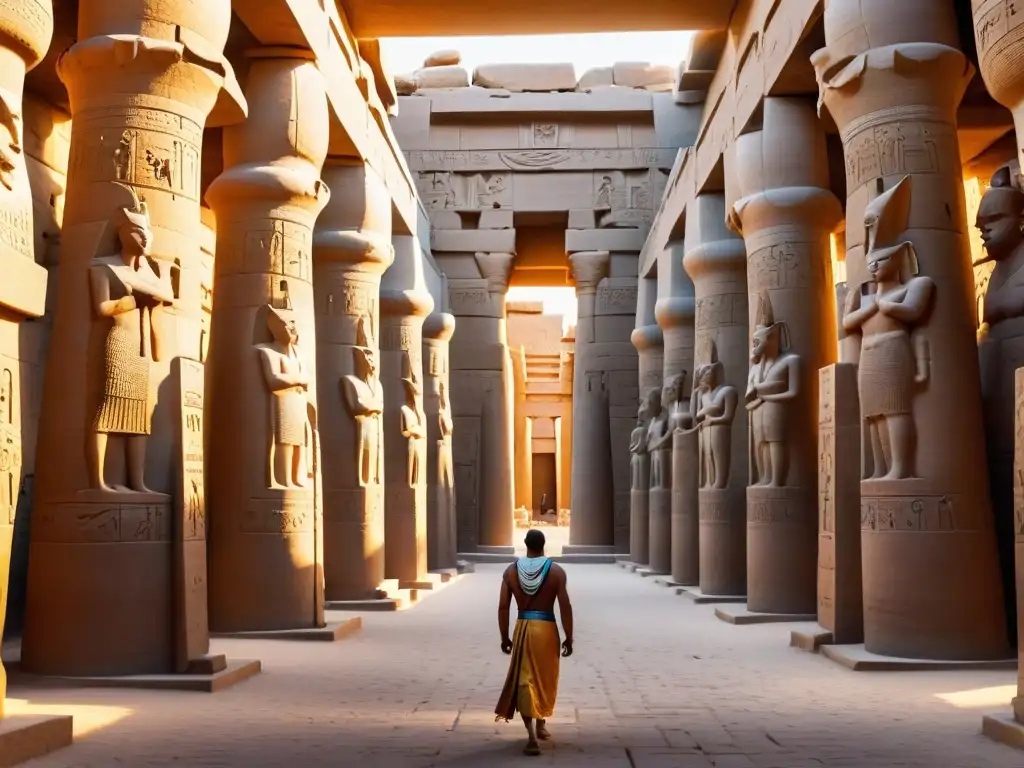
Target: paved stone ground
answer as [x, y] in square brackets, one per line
[656, 681]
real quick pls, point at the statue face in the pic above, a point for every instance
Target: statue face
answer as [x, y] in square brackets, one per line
[884, 264]
[706, 376]
[371, 363]
[999, 224]
[284, 328]
[135, 240]
[759, 342]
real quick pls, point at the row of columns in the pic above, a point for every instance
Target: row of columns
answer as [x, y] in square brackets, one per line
[321, 430]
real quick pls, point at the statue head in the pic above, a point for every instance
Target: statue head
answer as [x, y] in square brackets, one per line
[708, 374]
[885, 219]
[1001, 216]
[282, 325]
[133, 226]
[650, 405]
[672, 392]
[770, 337]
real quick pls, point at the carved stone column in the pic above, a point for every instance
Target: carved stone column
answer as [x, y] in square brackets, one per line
[25, 33]
[648, 340]
[716, 262]
[266, 572]
[927, 528]
[351, 250]
[786, 214]
[675, 312]
[592, 522]
[441, 533]
[404, 304]
[523, 454]
[144, 78]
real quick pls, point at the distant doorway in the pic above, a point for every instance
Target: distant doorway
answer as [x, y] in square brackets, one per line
[545, 487]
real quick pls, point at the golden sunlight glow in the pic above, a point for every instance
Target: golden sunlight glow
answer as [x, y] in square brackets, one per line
[981, 698]
[87, 717]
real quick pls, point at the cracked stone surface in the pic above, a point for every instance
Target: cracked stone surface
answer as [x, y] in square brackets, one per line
[656, 682]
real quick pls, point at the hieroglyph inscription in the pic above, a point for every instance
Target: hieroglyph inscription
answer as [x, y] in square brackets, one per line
[616, 300]
[711, 508]
[826, 479]
[540, 160]
[897, 142]
[916, 513]
[193, 496]
[721, 310]
[776, 267]
[785, 507]
[398, 338]
[16, 227]
[470, 301]
[279, 516]
[90, 523]
[994, 20]
[287, 245]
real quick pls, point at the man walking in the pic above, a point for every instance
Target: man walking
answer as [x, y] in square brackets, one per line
[531, 685]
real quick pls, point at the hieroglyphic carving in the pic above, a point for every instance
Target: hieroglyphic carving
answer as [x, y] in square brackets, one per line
[10, 120]
[772, 506]
[713, 406]
[128, 292]
[279, 516]
[441, 190]
[719, 310]
[10, 450]
[916, 513]
[364, 398]
[994, 20]
[470, 301]
[545, 135]
[192, 504]
[475, 161]
[16, 228]
[777, 266]
[287, 380]
[84, 522]
[903, 140]
[712, 507]
[892, 365]
[826, 480]
[616, 299]
[289, 246]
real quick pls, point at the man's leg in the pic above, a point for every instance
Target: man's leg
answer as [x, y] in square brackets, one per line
[542, 730]
[532, 747]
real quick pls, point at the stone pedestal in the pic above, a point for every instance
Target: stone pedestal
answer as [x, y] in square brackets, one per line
[660, 522]
[441, 527]
[266, 572]
[143, 82]
[351, 250]
[685, 531]
[592, 503]
[404, 304]
[716, 262]
[929, 548]
[786, 214]
[840, 599]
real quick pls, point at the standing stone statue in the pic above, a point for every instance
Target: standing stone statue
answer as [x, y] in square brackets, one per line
[364, 398]
[414, 426]
[892, 366]
[445, 468]
[773, 382]
[659, 437]
[638, 441]
[129, 289]
[287, 379]
[713, 405]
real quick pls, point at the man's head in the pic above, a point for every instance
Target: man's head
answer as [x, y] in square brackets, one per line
[535, 541]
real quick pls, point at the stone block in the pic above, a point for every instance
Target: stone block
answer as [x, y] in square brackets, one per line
[445, 220]
[596, 77]
[642, 74]
[582, 218]
[442, 77]
[495, 219]
[526, 77]
[741, 615]
[859, 659]
[1003, 728]
[331, 632]
[473, 240]
[443, 58]
[26, 737]
[605, 240]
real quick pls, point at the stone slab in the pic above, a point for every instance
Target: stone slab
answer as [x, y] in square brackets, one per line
[332, 632]
[382, 606]
[587, 549]
[695, 594]
[1001, 727]
[237, 671]
[667, 581]
[742, 616]
[464, 566]
[810, 638]
[26, 737]
[496, 550]
[487, 557]
[859, 659]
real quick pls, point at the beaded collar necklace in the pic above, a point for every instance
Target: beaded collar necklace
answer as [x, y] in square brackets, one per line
[532, 572]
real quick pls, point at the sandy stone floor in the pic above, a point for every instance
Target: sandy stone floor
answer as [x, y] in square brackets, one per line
[656, 682]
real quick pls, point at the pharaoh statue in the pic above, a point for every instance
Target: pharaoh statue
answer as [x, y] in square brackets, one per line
[414, 426]
[713, 407]
[659, 433]
[128, 291]
[287, 379]
[638, 439]
[1001, 223]
[364, 398]
[446, 472]
[885, 311]
[773, 382]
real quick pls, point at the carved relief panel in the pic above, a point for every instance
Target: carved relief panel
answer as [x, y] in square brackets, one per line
[441, 190]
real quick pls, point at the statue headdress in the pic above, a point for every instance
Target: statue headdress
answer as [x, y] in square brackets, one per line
[886, 218]
[138, 214]
[766, 320]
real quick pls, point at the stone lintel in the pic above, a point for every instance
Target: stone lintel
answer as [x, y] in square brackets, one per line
[474, 240]
[605, 240]
[606, 102]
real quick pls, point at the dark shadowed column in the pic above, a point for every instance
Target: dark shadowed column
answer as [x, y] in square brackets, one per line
[438, 329]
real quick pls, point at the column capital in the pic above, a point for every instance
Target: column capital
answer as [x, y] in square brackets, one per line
[355, 225]
[647, 337]
[588, 269]
[405, 303]
[439, 326]
[496, 269]
[728, 255]
[675, 311]
[812, 207]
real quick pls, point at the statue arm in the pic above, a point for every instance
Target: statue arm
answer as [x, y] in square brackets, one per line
[102, 304]
[728, 404]
[915, 301]
[855, 314]
[792, 382]
[276, 380]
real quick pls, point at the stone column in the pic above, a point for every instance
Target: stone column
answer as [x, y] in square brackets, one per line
[716, 262]
[441, 532]
[786, 214]
[565, 377]
[144, 78]
[675, 311]
[25, 34]
[648, 340]
[265, 573]
[404, 304]
[523, 454]
[351, 250]
[929, 548]
[592, 522]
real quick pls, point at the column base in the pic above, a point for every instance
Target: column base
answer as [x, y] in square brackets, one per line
[330, 633]
[702, 598]
[211, 674]
[742, 615]
[26, 737]
[1004, 728]
[858, 659]
[810, 638]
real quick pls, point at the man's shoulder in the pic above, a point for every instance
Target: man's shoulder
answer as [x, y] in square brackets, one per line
[557, 570]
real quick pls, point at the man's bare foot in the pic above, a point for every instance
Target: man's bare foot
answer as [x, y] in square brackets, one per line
[532, 748]
[542, 730]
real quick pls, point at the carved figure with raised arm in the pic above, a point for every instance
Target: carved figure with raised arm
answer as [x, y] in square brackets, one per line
[773, 382]
[893, 364]
[638, 439]
[713, 405]
[287, 379]
[364, 399]
[128, 291]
